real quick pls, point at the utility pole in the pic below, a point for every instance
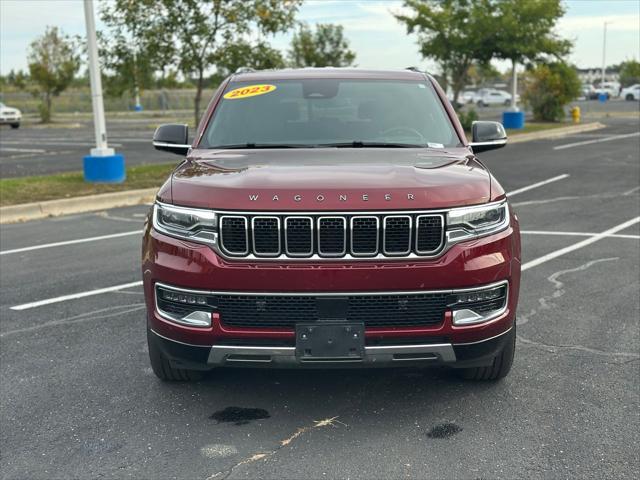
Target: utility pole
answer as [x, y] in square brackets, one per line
[103, 164]
[604, 52]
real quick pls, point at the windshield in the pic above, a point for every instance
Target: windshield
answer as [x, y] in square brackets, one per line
[330, 113]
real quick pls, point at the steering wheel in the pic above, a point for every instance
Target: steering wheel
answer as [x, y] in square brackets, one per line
[401, 129]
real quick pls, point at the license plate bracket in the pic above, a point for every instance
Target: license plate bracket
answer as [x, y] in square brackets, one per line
[330, 341]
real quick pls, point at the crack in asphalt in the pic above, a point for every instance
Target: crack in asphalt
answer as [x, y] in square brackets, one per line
[327, 422]
[83, 317]
[545, 303]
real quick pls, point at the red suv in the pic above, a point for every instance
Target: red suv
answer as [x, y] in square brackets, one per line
[331, 217]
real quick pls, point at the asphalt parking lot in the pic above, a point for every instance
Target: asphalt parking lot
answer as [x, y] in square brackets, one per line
[43, 150]
[78, 398]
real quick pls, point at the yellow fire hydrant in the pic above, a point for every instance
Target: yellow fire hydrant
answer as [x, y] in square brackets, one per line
[575, 114]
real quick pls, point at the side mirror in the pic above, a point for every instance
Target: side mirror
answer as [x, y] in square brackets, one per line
[172, 137]
[487, 136]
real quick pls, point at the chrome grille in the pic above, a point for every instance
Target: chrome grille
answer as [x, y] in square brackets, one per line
[339, 235]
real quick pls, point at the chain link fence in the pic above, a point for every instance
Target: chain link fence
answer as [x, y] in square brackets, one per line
[79, 101]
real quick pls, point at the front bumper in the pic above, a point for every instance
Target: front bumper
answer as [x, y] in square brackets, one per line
[200, 357]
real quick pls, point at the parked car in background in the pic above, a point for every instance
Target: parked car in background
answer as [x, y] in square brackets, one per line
[468, 96]
[589, 91]
[631, 93]
[487, 97]
[10, 116]
[611, 89]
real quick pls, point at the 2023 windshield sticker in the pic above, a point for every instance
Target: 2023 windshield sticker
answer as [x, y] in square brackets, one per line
[249, 91]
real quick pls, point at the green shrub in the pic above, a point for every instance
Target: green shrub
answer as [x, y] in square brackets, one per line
[467, 118]
[551, 87]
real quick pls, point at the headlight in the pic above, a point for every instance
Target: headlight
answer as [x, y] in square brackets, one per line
[187, 223]
[473, 222]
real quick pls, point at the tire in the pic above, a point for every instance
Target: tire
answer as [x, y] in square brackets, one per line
[629, 97]
[480, 103]
[163, 369]
[15, 125]
[500, 366]
[507, 103]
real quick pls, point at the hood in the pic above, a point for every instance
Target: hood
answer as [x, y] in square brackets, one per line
[330, 179]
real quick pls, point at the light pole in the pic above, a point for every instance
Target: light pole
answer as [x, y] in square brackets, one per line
[102, 164]
[604, 51]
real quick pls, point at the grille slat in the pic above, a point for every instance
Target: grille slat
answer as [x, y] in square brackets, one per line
[321, 237]
[266, 236]
[332, 236]
[299, 236]
[429, 233]
[233, 234]
[364, 235]
[397, 235]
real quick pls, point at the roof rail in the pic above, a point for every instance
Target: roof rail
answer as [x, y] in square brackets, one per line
[245, 70]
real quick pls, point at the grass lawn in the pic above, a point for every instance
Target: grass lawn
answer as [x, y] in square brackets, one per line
[65, 185]
[530, 127]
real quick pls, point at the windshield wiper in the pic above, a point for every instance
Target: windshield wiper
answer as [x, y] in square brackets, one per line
[249, 146]
[361, 144]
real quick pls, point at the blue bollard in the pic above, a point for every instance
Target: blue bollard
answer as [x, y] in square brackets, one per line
[603, 97]
[109, 169]
[138, 108]
[513, 120]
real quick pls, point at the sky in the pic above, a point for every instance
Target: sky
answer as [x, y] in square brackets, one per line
[378, 39]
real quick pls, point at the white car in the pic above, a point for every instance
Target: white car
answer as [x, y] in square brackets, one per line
[611, 89]
[487, 97]
[631, 93]
[10, 116]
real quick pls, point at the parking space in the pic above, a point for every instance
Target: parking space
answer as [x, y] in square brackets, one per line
[79, 398]
[39, 150]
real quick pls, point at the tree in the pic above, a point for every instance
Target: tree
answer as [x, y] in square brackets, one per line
[203, 30]
[552, 86]
[326, 47]
[629, 73]
[455, 33]
[526, 34]
[53, 62]
[135, 46]
[260, 56]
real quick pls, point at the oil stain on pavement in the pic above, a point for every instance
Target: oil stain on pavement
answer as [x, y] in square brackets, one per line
[444, 430]
[239, 415]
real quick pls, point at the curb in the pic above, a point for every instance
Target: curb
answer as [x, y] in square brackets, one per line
[103, 201]
[66, 206]
[555, 133]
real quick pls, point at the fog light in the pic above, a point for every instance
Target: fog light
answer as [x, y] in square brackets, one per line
[197, 319]
[478, 306]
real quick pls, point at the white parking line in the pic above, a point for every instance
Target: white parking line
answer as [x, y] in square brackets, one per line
[70, 242]
[536, 185]
[579, 245]
[597, 140]
[577, 234]
[73, 296]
